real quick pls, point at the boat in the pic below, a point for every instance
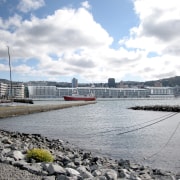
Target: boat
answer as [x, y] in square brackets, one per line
[76, 97]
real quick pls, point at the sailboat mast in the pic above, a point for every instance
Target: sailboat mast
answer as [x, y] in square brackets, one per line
[10, 72]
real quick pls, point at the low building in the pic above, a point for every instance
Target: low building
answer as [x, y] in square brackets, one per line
[106, 92]
[159, 92]
[42, 91]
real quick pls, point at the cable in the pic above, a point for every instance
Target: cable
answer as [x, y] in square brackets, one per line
[125, 132]
[117, 128]
[165, 144]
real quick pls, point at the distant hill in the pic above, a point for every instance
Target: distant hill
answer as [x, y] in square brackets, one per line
[4, 81]
[172, 82]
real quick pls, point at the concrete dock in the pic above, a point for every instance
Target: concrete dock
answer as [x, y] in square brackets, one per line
[11, 111]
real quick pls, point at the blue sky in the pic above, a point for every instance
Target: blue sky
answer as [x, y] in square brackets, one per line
[90, 40]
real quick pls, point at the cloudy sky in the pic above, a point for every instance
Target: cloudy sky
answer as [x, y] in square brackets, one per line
[90, 40]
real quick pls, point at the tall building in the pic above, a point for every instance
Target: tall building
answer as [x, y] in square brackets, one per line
[111, 83]
[74, 83]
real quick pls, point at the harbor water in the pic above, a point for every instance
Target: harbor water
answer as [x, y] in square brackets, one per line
[110, 129]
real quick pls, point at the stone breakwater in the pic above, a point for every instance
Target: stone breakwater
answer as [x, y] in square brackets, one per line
[157, 108]
[70, 162]
[10, 111]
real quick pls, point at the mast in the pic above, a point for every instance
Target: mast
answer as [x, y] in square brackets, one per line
[10, 73]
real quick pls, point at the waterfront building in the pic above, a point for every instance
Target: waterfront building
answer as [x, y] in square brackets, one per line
[106, 92]
[42, 91]
[17, 90]
[100, 92]
[161, 91]
[3, 90]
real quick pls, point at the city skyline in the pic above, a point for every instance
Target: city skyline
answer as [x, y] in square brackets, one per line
[135, 40]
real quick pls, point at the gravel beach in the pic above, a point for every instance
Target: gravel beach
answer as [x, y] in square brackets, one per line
[70, 162]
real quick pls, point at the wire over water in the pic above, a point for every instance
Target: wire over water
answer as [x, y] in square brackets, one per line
[151, 124]
[172, 135]
[164, 117]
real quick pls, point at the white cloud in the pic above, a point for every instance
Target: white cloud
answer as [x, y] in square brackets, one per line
[28, 5]
[86, 5]
[158, 33]
[71, 42]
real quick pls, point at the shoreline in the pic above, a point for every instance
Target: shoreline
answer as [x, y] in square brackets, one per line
[11, 111]
[70, 162]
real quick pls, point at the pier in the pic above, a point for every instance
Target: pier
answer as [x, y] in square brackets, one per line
[11, 111]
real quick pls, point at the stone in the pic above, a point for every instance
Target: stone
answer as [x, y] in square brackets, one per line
[77, 161]
[6, 140]
[17, 155]
[5, 151]
[111, 174]
[72, 172]
[64, 177]
[84, 173]
[71, 165]
[34, 168]
[123, 173]
[96, 173]
[56, 169]
[100, 178]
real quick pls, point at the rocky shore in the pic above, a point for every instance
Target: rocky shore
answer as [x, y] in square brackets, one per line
[157, 108]
[70, 162]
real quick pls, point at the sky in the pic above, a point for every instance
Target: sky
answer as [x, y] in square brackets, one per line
[129, 40]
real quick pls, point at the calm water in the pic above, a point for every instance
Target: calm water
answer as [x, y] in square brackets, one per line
[96, 127]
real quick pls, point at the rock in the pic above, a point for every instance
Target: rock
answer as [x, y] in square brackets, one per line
[34, 168]
[84, 173]
[64, 177]
[17, 155]
[77, 161]
[72, 172]
[100, 178]
[96, 173]
[123, 173]
[6, 140]
[110, 174]
[56, 169]
[71, 165]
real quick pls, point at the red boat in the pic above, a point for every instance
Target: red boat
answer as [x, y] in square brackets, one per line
[79, 98]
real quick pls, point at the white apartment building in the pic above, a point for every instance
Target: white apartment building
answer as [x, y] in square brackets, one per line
[3, 89]
[161, 91]
[17, 90]
[42, 91]
[100, 92]
[106, 92]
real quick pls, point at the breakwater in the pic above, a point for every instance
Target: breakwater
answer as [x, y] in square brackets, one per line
[69, 162]
[157, 108]
[10, 111]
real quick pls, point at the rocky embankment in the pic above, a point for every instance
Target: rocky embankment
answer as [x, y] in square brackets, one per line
[70, 163]
[157, 108]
